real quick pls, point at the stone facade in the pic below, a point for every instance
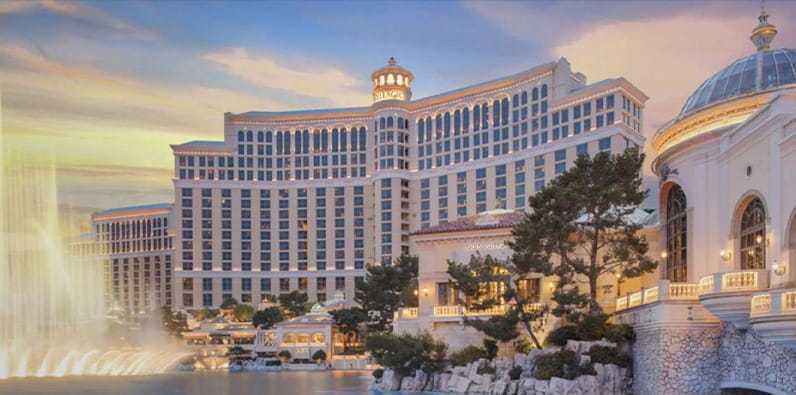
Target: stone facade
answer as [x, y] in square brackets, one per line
[746, 360]
[676, 360]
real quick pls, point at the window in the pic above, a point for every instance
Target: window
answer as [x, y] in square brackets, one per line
[753, 236]
[676, 236]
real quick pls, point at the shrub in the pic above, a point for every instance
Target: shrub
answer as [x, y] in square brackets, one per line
[619, 333]
[591, 327]
[572, 372]
[606, 355]
[406, 353]
[523, 346]
[273, 363]
[486, 369]
[319, 355]
[284, 354]
[466, 355]
[559, 336]
[378, 373]
[515, 372]
[490, 349]
[552, 365]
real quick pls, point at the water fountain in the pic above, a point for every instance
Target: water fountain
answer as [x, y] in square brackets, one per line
[52, 315]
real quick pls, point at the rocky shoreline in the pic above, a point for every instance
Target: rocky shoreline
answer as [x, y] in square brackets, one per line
[609, 378]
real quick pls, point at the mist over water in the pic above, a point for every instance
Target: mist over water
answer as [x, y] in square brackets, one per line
[52, 312]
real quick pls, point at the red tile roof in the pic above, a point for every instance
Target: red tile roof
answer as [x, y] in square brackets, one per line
[494, 219]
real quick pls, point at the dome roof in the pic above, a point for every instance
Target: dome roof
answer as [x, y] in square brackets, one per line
[756, 73]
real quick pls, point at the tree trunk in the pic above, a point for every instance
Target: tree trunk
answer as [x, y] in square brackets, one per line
[533, 337]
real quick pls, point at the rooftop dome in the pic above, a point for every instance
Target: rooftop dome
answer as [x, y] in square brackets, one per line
[762, 71]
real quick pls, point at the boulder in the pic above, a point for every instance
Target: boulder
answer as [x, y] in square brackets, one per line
[560, 386]
[441, 382]
[513, 386]
[462, 385]
[462, 370]
[542, 385]
[581, 347]
[499, 387]
[586, 385]
[390, 381]
[408, 384]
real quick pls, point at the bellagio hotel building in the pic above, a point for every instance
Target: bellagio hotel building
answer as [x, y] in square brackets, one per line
[304, 200]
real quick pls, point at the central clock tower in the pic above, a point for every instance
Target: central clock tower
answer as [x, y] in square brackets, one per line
[392, 82]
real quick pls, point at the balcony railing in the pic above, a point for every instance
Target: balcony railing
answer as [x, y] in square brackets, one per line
[408, 313]
[773, 316]
[777, 301]
[665, 290]
[448, 311]
[744, 280]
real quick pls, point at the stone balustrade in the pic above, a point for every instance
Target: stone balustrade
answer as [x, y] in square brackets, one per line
[448, 311]
[773, 316]
[408, 313]
[665, 290]
[731, 297]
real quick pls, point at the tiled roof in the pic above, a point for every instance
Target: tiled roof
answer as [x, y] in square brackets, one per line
[494, 219]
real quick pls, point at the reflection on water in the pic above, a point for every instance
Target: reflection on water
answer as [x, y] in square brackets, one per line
[238, 383]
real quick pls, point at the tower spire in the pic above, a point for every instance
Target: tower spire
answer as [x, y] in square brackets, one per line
[764, 33]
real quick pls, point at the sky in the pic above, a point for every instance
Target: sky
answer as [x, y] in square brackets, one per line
[102, 88]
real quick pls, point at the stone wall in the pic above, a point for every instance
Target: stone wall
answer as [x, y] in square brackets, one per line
[676, 360]
[746, 359]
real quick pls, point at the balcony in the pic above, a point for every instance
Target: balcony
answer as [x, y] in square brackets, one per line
[728, 296]
[455, 312]
[773, 316]
[666, 302]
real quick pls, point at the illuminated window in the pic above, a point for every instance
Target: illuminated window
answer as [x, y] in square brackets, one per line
[753, 235]
[676, 236]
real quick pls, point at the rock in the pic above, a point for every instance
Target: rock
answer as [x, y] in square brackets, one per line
[499, 387]
[542, 385]
[390, 381]
[407, 384]
[441, 383]
[513, 386]
[462, 385]
[560, 386]
[520, 359]
[462, 370]
[586, 385]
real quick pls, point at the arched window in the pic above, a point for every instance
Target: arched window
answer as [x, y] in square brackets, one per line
[382, 123]
[400, 79]
[544, 91]
[400, 123]
[260, 136]
[354, 139]
[335, 140]
[390, 79]
[289, 338]
[524, 97]
[504, 111]
[362, 141]
[269, 136]
[753, 236]
[240, 135]
[389, 122]
[485, 116]
[676, 236]
[287, 142]
[249, 136]
[535, 94]
[278, 142]
[515, 101]
[343, 140]
[465, 119]
[447, 122]
[421, 131]
[303, 338]
[305, 136]
[496, 113]
[428, 129]
[438, 126]
[298, 141]
[457, 122]
[316, 141]
[476, 117]
[324, 140]
[318, 337]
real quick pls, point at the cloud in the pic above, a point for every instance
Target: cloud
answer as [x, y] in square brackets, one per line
[296, 76]
[118, 28]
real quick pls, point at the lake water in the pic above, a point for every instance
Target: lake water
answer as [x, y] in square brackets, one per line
[238, 383]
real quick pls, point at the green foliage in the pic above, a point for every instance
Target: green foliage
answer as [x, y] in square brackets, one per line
[229, 303]
[466, 355]
[348, 322]
[515, 372]
[387, 288]
[470, 278]
[560, 335]
[564, 364]
[591, 327]
[378, 373]
[486, 369]
[490, 349]
[294, 303]
[619, 333]
[273, 363]
[242, 313]
[585, 211]
[319, 355]
[173, 322]
[606, 355]
[523, 346]
[268, 317]
[204, 314]
[284, 355]
[406, 353]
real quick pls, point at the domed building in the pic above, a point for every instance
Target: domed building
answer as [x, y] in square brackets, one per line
[727, 294]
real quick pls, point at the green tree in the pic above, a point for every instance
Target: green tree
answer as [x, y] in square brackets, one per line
[205, 313]
[406, 353]
[174, 322]
[229, 303]
[319, 356]
[242, 313]
[348, 322]
[581, 227]
[295, 303]
[387, 288]
[488, 282]
[267, 318]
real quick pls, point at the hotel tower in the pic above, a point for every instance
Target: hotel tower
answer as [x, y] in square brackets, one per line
[304, 200]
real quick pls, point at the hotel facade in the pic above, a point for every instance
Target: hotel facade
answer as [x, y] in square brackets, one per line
[304, 200]
[138, 243]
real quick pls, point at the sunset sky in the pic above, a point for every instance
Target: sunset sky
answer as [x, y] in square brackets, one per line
[103, 88]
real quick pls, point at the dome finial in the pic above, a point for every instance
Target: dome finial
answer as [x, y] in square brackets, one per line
[392, 61]
[764, 33]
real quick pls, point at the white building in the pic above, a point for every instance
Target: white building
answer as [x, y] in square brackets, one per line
[138, 244]
[727, 291]
[303, 200]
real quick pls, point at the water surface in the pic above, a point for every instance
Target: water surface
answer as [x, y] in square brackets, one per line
[330, 382]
